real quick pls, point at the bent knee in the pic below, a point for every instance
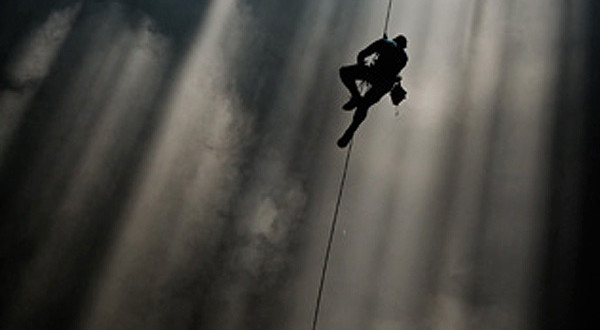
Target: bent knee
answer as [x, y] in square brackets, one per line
[349, 70]
[343, 71]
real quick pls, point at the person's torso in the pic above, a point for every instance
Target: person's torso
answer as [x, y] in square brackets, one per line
[390, 58]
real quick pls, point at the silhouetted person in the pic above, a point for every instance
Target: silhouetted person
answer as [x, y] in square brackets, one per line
[382, 73]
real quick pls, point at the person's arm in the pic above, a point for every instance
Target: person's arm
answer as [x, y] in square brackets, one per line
[370, 50]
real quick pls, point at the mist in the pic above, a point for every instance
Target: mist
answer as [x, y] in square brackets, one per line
[172, 165]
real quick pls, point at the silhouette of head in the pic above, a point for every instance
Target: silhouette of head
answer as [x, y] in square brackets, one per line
[401, 41]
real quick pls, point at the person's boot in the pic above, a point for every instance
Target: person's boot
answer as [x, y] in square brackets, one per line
[345, 139]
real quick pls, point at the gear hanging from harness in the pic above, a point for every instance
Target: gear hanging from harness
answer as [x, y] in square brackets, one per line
[397, 93]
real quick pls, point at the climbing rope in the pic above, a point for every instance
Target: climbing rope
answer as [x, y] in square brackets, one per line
[330, 241]
[337, 207]
[387, 18]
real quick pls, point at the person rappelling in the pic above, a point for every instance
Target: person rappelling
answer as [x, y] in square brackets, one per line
[379, 65]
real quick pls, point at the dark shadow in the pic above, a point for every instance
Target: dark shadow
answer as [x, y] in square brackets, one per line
[586, 279]
[18, 18]
[565, 293]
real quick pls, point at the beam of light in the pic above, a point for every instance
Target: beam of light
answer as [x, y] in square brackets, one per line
[221, 225]
[179, 199]
[463, 250]
[193, 172]
[30, 66]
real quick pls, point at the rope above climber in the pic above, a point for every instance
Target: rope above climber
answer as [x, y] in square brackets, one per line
[379, 66]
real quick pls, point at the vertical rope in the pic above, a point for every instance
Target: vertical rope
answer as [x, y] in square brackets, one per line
[387, 18]
[330, 241]
[337, 209]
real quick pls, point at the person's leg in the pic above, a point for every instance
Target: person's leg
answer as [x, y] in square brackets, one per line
[360, 114]
[349, 75]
